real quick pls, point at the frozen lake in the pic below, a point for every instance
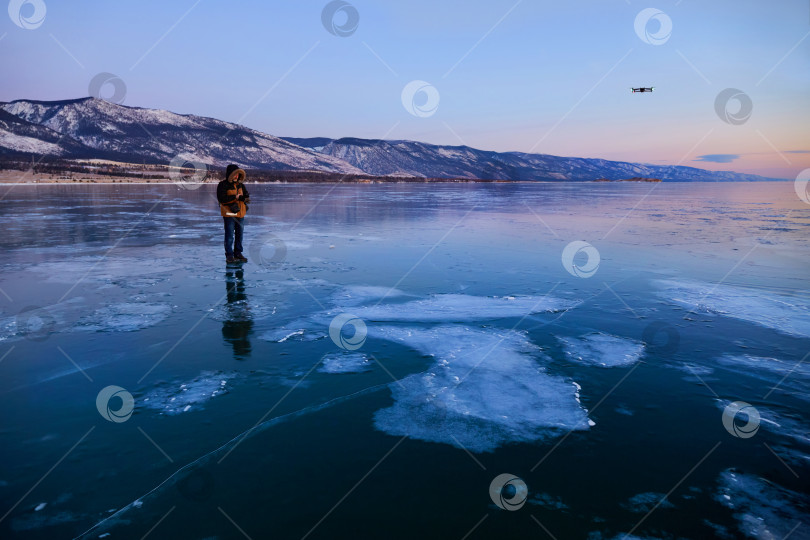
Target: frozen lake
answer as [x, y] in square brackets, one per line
[633, 354]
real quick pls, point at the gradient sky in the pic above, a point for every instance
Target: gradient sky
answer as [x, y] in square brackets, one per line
[547, 77]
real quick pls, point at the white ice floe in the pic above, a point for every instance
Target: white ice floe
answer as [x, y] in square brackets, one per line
[485, 389]
[788, 314]
[345, 362]
[125, 317]
[603, 350]
[763, 509]
[179, 397]
[461, 307]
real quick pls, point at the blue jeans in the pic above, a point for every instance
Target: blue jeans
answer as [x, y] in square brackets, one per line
[233, 225]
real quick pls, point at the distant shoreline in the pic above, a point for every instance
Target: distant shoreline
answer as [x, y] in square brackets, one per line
[96, 171]
[165, 182]
[15, 176]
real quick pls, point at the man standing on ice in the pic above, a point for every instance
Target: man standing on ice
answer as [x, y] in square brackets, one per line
[233, 198]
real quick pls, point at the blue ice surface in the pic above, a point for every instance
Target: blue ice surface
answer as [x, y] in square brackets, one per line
[644, 502]
[359, 294]
[125, 317]
[483, 383]
[782, 375]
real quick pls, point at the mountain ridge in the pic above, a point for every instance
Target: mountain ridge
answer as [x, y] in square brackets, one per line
[89, 127]
[159, 136]
[413, 158]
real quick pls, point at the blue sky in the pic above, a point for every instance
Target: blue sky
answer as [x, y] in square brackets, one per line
[549, 77]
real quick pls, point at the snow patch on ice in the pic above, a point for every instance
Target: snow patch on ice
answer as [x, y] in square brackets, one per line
[484, 390]
[179, 397]
[783, 313]
[343, 362]
[448, 308]
[762, 509]
[603, 350]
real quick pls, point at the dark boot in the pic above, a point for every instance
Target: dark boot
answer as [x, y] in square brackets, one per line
[239, 257]
[229, 259]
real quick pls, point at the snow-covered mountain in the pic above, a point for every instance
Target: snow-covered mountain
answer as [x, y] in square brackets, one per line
[18, 136]
[106, 129]
[409, 158]
[95, 128]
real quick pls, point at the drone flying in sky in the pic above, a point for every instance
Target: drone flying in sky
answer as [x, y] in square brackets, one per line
[643, 89]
